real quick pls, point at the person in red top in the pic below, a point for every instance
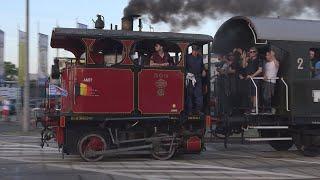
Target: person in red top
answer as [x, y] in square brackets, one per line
[160, 57]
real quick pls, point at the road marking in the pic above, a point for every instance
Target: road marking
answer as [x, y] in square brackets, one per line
[103, 171]
[32, 137]
[146, 168]
[36, 146]
[29, 152]
[182, 171]
[209, 177]
[18, 145]
[232, 155]
[295, 160]
[251, 171]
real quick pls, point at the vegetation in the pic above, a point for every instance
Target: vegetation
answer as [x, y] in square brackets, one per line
[10, 71]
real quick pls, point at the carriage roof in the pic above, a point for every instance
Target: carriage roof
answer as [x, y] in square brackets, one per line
[61, 34]
[278, 28]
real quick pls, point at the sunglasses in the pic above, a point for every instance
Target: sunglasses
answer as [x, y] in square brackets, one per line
[252, 51]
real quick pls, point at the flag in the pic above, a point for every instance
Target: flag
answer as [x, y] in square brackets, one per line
[22, 57]
[55, 90]
[82, 26]
[2, 73]
[85, 90]
[42, 58]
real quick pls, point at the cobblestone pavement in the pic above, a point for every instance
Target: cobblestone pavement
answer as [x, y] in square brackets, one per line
[22, 158]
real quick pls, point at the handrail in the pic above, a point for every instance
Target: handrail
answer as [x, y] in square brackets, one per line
[287, 94]
[254, 83]
[256, 88]
[259, 78]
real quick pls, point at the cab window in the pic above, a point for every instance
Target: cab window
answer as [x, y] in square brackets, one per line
[107, 52]
[155, 53]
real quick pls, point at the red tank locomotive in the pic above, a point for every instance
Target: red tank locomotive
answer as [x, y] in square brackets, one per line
[109, 100]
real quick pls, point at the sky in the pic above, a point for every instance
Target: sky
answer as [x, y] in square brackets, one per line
[46, 14]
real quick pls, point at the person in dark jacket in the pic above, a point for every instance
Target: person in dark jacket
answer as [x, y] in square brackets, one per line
[254, 69]
[195, 71]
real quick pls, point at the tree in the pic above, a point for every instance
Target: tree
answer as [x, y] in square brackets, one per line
[10, 71]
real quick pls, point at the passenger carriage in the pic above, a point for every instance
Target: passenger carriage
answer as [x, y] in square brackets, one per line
[296, 115]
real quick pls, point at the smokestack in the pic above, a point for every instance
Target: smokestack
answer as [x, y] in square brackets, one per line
[115, 27]
[111, 28]
[127, 23]
[140, 24]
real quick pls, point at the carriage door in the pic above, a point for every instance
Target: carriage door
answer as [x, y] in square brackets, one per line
[160, 89]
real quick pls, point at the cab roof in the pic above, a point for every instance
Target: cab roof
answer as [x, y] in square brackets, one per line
[59, 35]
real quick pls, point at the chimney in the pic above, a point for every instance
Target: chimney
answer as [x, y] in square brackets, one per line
[140, 24]
[127, 23]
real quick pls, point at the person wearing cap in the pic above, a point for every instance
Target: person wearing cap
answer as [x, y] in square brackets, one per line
[195, 71]
[160, 57]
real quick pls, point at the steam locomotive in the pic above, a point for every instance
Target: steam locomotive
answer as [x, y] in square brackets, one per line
[112, 102]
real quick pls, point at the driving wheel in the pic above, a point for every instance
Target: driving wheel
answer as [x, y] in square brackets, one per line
[164, 146]
[89, 144]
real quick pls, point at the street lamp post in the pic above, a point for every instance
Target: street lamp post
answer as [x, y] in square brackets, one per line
[26, 112]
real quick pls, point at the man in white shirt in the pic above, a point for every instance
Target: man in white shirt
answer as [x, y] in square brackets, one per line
[271, 68]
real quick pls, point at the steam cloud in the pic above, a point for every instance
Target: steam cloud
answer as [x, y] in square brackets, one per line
[180, 14]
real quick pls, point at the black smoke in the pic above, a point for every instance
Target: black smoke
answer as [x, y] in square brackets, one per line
[180, 14]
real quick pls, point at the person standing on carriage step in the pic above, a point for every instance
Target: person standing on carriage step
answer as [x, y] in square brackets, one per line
[195, 71]
[254, 69]
[271, 68]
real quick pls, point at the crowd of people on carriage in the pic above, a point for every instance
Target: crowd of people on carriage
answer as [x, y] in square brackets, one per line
[244, 75]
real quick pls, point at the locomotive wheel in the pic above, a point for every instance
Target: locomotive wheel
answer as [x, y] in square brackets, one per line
[281, 145]
[89, 144]
[296, 138]
[305, 144]
[278, 145]
[163, 147]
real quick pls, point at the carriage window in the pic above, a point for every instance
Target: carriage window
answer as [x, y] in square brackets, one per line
[147, 53]
[107, 52]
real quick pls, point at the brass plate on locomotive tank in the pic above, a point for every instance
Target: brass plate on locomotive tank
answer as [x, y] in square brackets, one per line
[81, 118]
